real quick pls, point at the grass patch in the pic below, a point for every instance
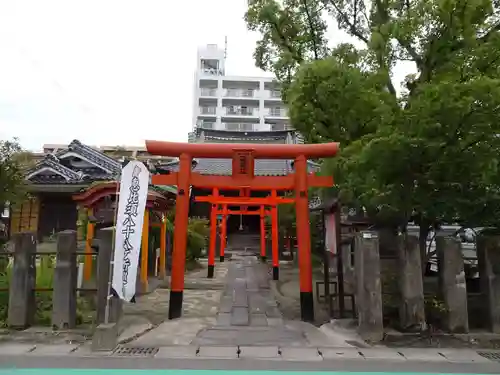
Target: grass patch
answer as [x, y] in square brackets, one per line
[44, 279]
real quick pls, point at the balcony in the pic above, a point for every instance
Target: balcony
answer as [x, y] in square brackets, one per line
[274, 94]
[241, 111]
[279, 127]
[212, 71]
[208, 111]
[240, 93]
[208, 92]
[241, 127]
[206, 124]
[277, 112]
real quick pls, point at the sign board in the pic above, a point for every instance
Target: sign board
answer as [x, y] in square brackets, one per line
[134, 185]
[314, 202]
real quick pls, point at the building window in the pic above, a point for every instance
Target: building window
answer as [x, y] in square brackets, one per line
[210, 66]
[275, 94]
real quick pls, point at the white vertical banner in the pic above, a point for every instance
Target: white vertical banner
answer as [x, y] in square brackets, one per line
[134, 185]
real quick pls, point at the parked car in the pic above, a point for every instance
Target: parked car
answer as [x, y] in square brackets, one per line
[467, 237]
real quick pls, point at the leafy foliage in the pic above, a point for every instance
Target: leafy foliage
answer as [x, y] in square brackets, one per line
[197, 235]
[13, 162]
[327, 96]
[427, 153]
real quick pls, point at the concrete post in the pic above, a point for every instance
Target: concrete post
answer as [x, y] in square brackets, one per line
[65, 281]
[368, 287]
[105, 254]
[488, 254]
[412, 307]
[452, 283]
[22, 304]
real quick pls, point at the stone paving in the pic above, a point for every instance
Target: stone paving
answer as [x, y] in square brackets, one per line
[200, 306]
[243, 313]
[248, 313]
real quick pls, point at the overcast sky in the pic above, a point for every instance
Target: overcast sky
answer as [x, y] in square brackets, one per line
[110, 72]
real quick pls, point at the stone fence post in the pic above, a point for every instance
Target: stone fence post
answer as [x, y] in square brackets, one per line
[488, 255]
[452, 283]
[368, 286]
[412, 307]
[104, 257]
[22, 304]
[65, 281]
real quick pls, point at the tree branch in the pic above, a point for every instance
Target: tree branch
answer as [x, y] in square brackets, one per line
[311, 27]
[284, 42]
[352, 27]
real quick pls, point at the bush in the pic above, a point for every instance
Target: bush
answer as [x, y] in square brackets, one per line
[197, 235]
[197, 240]
[4, 298]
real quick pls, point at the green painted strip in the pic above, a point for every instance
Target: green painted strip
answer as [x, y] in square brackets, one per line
[188, 372]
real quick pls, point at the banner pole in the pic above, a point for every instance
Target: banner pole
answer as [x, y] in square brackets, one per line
[111, 262]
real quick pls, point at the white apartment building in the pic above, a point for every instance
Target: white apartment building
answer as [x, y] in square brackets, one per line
[234, 103]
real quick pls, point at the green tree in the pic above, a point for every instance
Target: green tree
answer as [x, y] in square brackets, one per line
[428, 154]
[13, 163]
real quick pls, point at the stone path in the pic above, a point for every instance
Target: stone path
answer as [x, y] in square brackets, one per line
[236, 308]
[200, 306]
[248, 313]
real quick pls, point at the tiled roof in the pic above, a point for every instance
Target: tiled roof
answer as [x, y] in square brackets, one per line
[58, 170]
[94, 156]
[223, 167]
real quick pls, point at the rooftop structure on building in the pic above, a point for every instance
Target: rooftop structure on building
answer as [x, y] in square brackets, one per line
[234, 103]
[119, 153]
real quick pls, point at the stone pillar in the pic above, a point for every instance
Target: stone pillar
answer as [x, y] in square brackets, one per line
[488, 254]
[452, 283]
[368, 287]
[65, 281]
[412, 306]
[22, 304]
[104, 257]
[348, 269]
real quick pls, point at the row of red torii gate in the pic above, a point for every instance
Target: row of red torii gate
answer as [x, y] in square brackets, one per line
[243, 180]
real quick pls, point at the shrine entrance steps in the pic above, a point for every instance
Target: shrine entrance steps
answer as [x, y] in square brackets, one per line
[241, 241]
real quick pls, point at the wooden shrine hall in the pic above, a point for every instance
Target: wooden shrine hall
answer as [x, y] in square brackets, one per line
[243, 179]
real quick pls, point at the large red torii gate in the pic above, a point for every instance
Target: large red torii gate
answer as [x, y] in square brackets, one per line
[243, 166]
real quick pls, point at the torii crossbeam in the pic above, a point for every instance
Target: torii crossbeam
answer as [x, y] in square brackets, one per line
[243, 166]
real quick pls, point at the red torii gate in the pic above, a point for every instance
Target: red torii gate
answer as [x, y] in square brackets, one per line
[243, 202]
[243, 157]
